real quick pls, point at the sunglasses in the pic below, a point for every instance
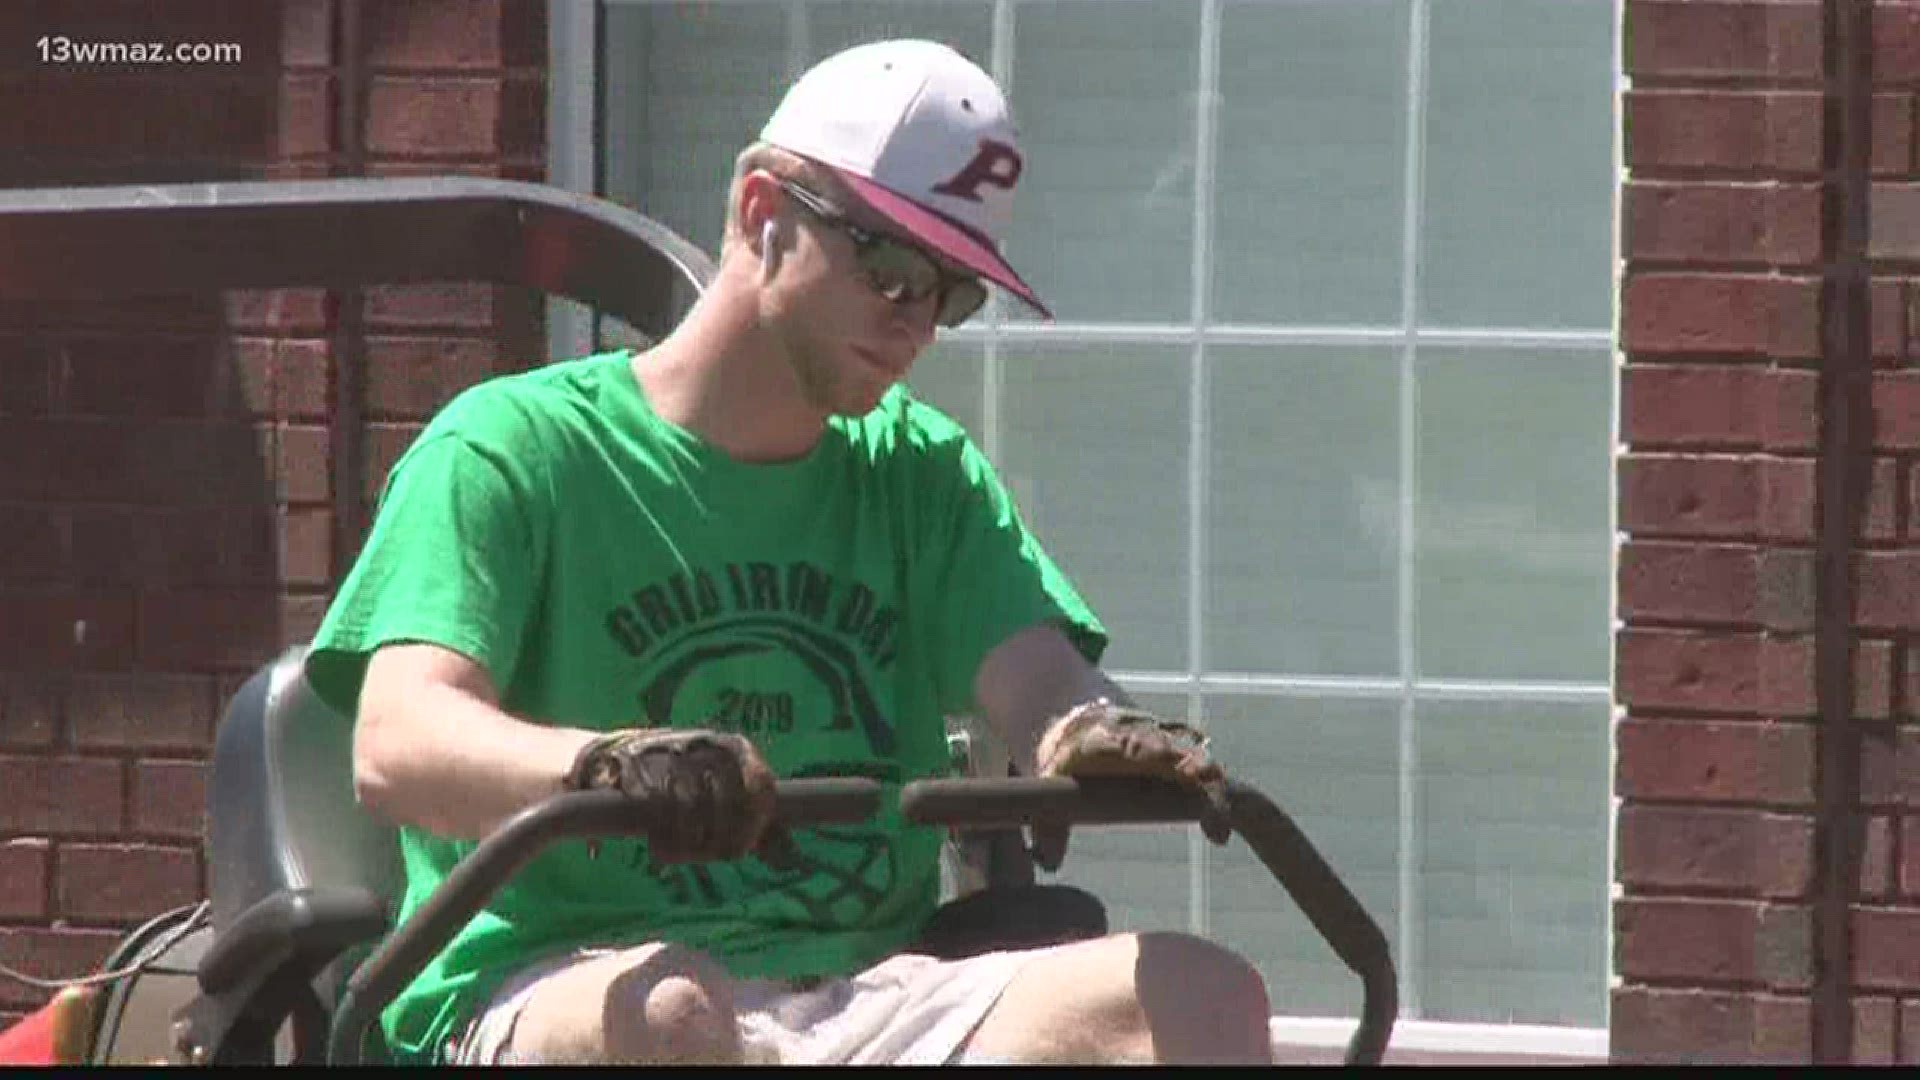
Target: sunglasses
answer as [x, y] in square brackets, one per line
[898, 270]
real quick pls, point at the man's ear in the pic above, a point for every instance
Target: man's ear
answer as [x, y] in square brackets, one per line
[758, 212]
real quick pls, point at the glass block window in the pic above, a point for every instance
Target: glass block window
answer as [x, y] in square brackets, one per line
[1323, 428]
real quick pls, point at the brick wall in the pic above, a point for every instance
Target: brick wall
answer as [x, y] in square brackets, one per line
[1716, 766]
[165, 494]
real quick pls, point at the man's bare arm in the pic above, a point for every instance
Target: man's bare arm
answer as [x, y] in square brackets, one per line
[1029, 680]
[433, 749]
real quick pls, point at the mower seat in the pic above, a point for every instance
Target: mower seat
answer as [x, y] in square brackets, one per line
[304, 881]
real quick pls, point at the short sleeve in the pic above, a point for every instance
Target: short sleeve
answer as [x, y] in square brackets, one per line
[451, 559]
[993, 580]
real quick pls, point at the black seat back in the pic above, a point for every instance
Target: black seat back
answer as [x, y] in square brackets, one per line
[282, 814]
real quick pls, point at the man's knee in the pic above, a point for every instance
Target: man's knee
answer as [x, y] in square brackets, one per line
[1194, 991]
[656, 1004]
[1167, 997]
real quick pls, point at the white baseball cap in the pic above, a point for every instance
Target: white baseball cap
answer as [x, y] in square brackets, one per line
[924, 137]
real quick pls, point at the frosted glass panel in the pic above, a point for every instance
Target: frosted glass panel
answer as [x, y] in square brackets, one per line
[1303, 511]
[1142, 873]
[1103, 223]
[1094, 446]
[1310, 190]
[1518, 222]
[1512, 542]
[687, 86]
[1333, 766]
[949, 376]
[833, 25]
[1513, 880]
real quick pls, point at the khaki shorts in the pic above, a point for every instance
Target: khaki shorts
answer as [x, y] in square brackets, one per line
[906, 1010]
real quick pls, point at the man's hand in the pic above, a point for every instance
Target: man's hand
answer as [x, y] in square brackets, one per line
[1100, 738]
[717, 789]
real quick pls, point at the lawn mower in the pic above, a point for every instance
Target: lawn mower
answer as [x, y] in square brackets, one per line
[294, 952]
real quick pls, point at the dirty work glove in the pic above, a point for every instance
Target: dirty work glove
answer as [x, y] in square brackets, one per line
[717, 791]
[1100, 738]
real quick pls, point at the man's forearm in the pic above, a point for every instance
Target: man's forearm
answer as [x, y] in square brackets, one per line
[458, 766]
[1032, 679]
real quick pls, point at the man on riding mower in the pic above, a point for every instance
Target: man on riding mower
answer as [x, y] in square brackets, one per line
[743, 553]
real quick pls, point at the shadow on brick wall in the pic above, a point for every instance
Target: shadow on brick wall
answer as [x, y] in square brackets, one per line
[149, 532]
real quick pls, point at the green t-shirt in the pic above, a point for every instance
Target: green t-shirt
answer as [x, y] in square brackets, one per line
[610, 569]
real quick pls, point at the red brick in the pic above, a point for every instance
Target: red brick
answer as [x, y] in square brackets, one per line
[1886, 947]
[185, 313]
[306, 33]
[79, 112]
[141, 711]
[1720, 38]
[303, 372]
[523, 33]
[1740, 497]
[1694, 848]
[31, 710]
[385, 444]
[170, 798]
[1896, 43]
[34, 542]
[1896, 410]
[1909, 860]
[66, 631]
[1873, 1031]
[305, 465]
[1719, 315]
[50, 954]
[1718, 405]
[209, 629]
[1715, 761]
[27, 375]
[410, 378]
[178, 462]
[1659, 1025]
[438, 117]
[1887, 589]
[1887, 304]
[300, 617]
[156, 548]
[1715, 583]
[1724, 672]
[1890, 765]
[299, 371]
[60, 795]
[306, 547]
[435, 34]
[1876, 858]
[306, 116]
[523, 116]
[1893, 118]
[103, 882]
[1771, 223]
[1714, 941]
[23, 878]
[1909, 1053]
[289, 310]
[451, 305]
[1746, 132]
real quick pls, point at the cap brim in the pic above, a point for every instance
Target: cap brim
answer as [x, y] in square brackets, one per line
[944, 235]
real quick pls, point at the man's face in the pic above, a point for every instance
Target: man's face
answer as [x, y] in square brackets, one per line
[848, 342]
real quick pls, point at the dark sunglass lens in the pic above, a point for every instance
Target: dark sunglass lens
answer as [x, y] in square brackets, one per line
[898, 271]
[963, 299]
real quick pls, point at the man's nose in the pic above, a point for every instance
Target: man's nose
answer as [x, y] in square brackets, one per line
[916, 318]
